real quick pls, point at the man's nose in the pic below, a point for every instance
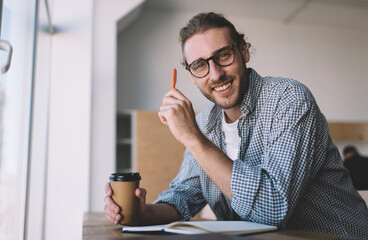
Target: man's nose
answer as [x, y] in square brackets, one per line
[216, 71]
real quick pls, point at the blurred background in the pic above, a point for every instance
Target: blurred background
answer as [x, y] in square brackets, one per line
[79, 69]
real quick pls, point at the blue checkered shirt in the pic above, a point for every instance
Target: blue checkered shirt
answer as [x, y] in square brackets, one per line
[288, 173]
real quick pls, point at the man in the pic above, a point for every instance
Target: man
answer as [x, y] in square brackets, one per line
[357, 166]
[260, 153]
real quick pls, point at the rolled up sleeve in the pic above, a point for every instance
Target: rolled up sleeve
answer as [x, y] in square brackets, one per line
[185, 192]
[266, 186]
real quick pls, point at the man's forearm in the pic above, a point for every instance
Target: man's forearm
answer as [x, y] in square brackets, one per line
[159, 213]
[214, 162]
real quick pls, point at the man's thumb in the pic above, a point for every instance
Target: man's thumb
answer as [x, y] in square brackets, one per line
[141, 194]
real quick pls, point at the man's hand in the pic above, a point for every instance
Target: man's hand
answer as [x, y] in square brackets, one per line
[177, 113]
[148, 214]
[112, 211]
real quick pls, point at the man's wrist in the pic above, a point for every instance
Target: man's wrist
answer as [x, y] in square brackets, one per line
[159, 213]
[196, 141]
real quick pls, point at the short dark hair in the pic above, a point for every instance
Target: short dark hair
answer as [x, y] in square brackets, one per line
[349, 149]
[205, 21]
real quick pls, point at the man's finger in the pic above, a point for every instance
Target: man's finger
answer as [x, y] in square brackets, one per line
[112, 216]
[175, 93]
[162, 117]
[109, 218]
[111, 204]
[141, 195]
[108, 189]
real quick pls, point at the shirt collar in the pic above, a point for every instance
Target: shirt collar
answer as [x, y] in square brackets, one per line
[248, 104]
[252, 94]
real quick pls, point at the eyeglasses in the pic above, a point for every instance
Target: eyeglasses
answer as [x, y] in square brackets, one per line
[222, 57]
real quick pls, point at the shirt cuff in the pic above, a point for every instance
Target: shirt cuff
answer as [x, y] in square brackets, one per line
[176, 202]
[244, 186]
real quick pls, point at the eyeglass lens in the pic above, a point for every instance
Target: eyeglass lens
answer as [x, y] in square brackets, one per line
[223, 57]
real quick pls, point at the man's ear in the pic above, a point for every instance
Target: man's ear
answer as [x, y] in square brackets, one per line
[244, 50]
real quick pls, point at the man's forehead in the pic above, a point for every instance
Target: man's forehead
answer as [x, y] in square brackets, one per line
[204, 44]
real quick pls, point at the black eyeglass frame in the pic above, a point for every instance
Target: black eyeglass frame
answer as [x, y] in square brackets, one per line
[188, 66]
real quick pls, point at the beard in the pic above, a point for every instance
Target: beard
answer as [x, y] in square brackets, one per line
[240, 92]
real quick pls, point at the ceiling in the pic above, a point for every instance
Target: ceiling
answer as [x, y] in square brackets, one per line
[352, 14]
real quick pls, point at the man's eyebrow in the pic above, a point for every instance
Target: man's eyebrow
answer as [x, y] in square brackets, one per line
[213, 53]
[220, 49]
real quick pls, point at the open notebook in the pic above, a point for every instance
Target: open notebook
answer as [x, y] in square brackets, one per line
[199, 227]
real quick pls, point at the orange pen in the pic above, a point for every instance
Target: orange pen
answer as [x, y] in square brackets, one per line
[173, 78]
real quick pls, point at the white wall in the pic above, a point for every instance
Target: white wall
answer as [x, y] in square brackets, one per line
[68, 153]
[332, 62]
[107, 19]
[147, 51]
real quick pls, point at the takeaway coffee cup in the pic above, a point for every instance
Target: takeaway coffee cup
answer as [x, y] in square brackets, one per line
[123, 193]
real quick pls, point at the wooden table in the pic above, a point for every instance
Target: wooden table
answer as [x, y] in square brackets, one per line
[96, 227]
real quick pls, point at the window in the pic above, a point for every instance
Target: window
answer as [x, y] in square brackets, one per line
[18, 28]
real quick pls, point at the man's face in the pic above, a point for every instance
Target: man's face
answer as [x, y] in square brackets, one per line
[224, 86]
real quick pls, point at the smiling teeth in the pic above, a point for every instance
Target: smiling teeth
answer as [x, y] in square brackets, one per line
[223, 87]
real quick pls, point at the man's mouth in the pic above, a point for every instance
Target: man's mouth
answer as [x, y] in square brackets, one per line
[223, 87]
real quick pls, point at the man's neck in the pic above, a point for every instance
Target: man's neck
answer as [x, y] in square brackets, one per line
[232, 114]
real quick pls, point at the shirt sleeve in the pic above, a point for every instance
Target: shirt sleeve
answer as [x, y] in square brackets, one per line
[185, 192]
[267, 185]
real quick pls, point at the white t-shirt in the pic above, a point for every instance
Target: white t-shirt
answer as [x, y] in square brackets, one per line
[232, 138]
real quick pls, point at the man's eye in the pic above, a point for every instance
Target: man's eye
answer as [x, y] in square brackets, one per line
[224, 55]
[198, 65]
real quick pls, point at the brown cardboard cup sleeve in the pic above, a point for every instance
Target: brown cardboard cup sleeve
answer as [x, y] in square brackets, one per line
[123, 194]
